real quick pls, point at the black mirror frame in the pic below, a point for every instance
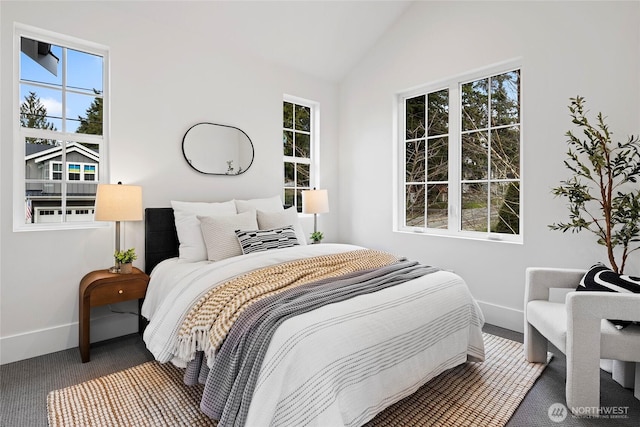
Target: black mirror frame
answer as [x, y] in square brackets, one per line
[184, 154]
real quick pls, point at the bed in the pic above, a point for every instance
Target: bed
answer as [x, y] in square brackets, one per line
[318, 334]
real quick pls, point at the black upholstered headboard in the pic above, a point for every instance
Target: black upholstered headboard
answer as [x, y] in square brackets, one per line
[160, 236]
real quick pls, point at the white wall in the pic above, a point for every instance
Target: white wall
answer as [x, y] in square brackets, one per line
[171, 66]
[567, 48]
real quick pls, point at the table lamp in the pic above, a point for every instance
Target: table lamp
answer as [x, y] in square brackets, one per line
[117, 202]
[315, 202]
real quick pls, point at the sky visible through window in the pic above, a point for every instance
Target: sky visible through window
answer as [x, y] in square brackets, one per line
[84, 75]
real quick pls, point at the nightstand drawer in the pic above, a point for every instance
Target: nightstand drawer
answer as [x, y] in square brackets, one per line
[110, 293]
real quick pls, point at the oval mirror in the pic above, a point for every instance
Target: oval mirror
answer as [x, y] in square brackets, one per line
[216, 149]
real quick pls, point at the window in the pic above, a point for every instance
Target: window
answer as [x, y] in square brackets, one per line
[89, 172]
[56, 171]
[460, 149]
[74, 172]
[61, 128]
[427, 166]
[299, 145]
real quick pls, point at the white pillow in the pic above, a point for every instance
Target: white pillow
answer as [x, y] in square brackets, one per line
[289, 216]
[270, 204]
[219, 233]
[192, 247]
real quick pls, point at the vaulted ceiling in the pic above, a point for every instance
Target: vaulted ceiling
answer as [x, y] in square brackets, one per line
[322, 38]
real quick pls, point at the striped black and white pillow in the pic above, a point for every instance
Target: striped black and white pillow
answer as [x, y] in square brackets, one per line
[264, 240]
[602, 278]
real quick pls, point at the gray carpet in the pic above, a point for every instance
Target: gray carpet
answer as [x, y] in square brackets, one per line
[24, 385]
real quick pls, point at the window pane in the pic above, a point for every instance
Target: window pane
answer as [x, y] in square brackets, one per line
[31, 70]
[415, 117]
[289, 174]
[38, 195]
[302, 175]
[299, 200]
[474, 105]
[32, 168]
[287, 141]
[43, 202]
[438, 159]
[437, 206]
[505, 98]
[303, 118]
[415, 161]
[303, 145]
[84, 71]
[80, 201]
[414, 205]
[505, 153]
[40, 108]
[287, 114]
[289, 197]
[475, 154]
[87, 153]
[84, 114]
[439, 113]
[505, 207]
[474, 207]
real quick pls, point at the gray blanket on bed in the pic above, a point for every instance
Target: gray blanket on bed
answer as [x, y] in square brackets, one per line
[232, 379]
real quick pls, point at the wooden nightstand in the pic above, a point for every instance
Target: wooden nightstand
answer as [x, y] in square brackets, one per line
[100, 288]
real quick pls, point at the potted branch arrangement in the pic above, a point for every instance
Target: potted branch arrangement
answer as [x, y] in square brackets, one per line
[124, 260]
[604, 192]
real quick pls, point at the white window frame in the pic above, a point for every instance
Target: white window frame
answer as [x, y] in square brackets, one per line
[21, 134]
[52, 170]
[314, 143]
[454, 85]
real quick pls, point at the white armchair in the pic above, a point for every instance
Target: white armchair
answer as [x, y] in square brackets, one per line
[576, 327]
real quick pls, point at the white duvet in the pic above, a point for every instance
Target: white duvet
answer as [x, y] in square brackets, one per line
[338, 365]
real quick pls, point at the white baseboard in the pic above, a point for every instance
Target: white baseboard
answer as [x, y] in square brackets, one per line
[43, 341]
[504, 317]
[58, 338]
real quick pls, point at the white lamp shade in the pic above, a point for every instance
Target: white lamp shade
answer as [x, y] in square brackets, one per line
[315, 201]
[117, 202]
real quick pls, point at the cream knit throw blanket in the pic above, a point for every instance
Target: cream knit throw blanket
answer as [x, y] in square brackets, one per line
[209, 320]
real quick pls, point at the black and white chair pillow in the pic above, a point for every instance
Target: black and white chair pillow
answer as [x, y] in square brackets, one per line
[264, 240]
[602, 278]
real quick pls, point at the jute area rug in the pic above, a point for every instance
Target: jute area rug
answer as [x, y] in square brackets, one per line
[152, 394]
